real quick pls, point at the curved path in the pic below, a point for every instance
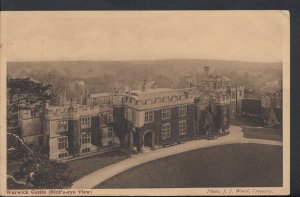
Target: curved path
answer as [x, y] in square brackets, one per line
[95, 178]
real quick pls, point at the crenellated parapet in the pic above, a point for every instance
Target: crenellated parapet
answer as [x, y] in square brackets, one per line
[155, 98]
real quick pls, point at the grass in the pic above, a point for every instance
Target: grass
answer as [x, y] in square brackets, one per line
[245, 120]
[235, 165]
[81, 167]
[263, 133]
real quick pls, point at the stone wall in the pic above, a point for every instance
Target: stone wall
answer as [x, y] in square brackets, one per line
[156, 126]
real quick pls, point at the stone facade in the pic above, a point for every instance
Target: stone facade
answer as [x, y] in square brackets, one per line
[75, 129]
[150, 117]
[271, 105]
[30, 124]
[266, 104]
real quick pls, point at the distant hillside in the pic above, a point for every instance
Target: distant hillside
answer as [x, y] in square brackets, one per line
[101, 76]
[86, 69]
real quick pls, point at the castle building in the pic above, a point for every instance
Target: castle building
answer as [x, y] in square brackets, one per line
[159, 116]
[142, 119]
[265, 104]
[30, 124]
[225, 92]
[271, 103]
[75, 129]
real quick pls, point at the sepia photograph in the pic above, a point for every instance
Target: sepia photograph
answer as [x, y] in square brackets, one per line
[145, 103]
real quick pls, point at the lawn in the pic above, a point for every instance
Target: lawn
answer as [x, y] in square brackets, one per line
[246, 120]
[235, 165]
[263, 133]
[81, 167]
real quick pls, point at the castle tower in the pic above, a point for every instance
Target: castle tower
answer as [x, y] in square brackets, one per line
[206, 70]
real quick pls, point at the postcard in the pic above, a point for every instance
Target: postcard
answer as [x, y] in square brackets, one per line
[145, 103]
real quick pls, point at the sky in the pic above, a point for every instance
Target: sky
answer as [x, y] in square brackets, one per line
[144, 35]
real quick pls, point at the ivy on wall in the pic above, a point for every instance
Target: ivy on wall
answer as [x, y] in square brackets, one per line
[74, 137]
[96, 133]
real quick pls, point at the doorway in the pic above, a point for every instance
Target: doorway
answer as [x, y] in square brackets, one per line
[149, 140]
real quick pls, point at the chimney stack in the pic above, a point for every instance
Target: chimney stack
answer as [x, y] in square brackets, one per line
[206, 70]
[47, 103]
[144, 86]
[62, 97]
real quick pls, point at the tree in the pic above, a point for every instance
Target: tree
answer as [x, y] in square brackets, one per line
[52, 175]
[23, 93]
[40, 171]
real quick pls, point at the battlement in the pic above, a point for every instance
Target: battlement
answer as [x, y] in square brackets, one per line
[71, 111]
[162, 100]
